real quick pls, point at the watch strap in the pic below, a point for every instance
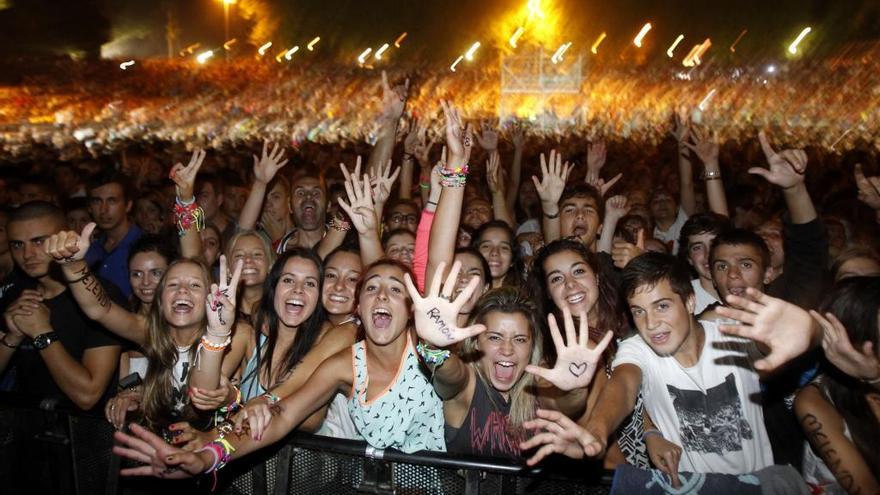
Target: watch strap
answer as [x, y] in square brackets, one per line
[43, 340]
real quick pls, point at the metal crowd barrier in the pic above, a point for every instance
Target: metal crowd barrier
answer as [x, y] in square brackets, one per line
[72, 452]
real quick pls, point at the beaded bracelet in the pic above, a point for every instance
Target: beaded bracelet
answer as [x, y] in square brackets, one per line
[210, 346]
[456, 177]
[233, 406]
[187, 216]
[338, 225]
[434, 357]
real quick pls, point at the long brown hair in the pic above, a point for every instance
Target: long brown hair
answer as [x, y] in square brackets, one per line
[162, 355]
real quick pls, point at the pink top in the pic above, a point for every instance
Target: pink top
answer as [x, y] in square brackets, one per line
[420, 257]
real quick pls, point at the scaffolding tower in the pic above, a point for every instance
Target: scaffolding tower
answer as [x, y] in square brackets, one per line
[532, 86]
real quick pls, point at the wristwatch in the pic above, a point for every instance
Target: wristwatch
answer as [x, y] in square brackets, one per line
[43, 340]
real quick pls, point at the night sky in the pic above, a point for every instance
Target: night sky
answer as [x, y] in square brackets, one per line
[438, 30]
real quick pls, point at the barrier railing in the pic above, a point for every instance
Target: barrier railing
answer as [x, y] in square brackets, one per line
[45, 448]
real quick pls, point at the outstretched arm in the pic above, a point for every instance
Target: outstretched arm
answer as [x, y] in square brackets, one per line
[786, 170]
[498, 188]
[706, 148]
[68, 248]
[188, 216]
[265, 167]
[518, 139]
[362, 212]
[550, 188]
[393, 104]
[685, 170]
[616, 207]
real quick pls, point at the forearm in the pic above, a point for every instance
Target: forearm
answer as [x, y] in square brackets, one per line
[606, 238]
[406, 177]
[78, 383]
[550, 222]
[515, 178]
[800, 206]
[332, 240]
[420, 256]
[247, 219]
[427, 192]
[716, 197]
[381, 153]
[7, 351]
[207, 374]
[444, 230]
[500, 210]
[452, 377]
[191, 244]
[371, 248]
[572, 403]
[686, 183]
[96, 304]
[617, 400]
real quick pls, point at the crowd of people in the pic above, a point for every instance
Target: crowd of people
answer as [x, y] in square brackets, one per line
[673, 294]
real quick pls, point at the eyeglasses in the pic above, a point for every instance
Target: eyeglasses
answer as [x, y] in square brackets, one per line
[401, 218]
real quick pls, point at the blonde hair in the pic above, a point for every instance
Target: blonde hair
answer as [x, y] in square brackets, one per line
[267, 246]
[523, 400]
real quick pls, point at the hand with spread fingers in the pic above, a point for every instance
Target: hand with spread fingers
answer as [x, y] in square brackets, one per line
[184, 177]
[494, 174]
[576, 362]
[436, 313]
[787, 167]
[268, 163]
[784, 328]
[705, 147]
[557, 434]
[553, 178]
[488, 137]
[859, 364]
[159, 459]
[186, 437]
[596, 154]
[360, 207]
[220, 303]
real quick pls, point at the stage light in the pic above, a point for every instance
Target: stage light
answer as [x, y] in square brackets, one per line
[399, 39]
[204, 56]
[599, 40]
[381, 50]
[126, 65]
[516, 35]
[265, 46]
[674, 44]
[639, 37]
[363, 56]
[457, 61]
[792, 49]
[469, 55]
[311, 45]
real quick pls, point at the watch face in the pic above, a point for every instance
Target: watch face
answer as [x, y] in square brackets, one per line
[43, 340]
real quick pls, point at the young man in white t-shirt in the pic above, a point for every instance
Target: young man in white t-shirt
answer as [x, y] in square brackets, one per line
[701, 397]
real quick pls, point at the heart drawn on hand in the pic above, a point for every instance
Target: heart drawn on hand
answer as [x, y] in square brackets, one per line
[577, 369]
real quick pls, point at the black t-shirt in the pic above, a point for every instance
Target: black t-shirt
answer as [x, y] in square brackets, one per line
[27, 373]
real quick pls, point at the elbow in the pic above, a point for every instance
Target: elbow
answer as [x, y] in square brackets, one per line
[86, 399]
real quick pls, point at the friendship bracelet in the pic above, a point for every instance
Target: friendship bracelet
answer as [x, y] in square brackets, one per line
[424, 185]
[184, 203]
[435, 357]
[339, 225]
[210, 346]
[187, 216]
[652, 431]
[456, 177]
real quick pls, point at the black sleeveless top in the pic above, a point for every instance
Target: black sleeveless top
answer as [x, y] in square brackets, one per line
[484, 431]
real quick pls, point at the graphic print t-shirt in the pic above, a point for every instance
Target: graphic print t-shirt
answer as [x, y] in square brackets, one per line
[712, 410]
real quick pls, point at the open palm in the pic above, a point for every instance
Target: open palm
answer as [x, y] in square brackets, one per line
[436, 314]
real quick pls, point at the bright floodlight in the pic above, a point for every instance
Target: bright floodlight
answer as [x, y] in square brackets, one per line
[792, 49]
[204, 56]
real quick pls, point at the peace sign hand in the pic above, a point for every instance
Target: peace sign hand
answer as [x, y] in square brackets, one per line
[269, 163]
[184, 177]
[383, 181]
[787, 167]
[220, 303]
[459, 139]
[436, 315]
[576, 362]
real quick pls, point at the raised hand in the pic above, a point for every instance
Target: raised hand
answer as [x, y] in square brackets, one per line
[560, 435]
[576, 362]
[161, 460]
[68, 246]
[459, 139]
[682, 126]
[220, 303]
[268, 163]
[705, 147]
[783, 327]
[787, 167]
[383, 182]
[553, 177]
[393, 99]
[602, 186]
[859, 364]
[414, 136]
[488, 138]
[436, 314]
[616, 207]
[869, 188]
[184, 177]
[494, 174]
[622, 252]
[596, 154]
[360, 207]
[518, 135]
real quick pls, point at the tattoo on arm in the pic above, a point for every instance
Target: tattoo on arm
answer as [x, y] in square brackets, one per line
[90, 282]
[819, 440]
